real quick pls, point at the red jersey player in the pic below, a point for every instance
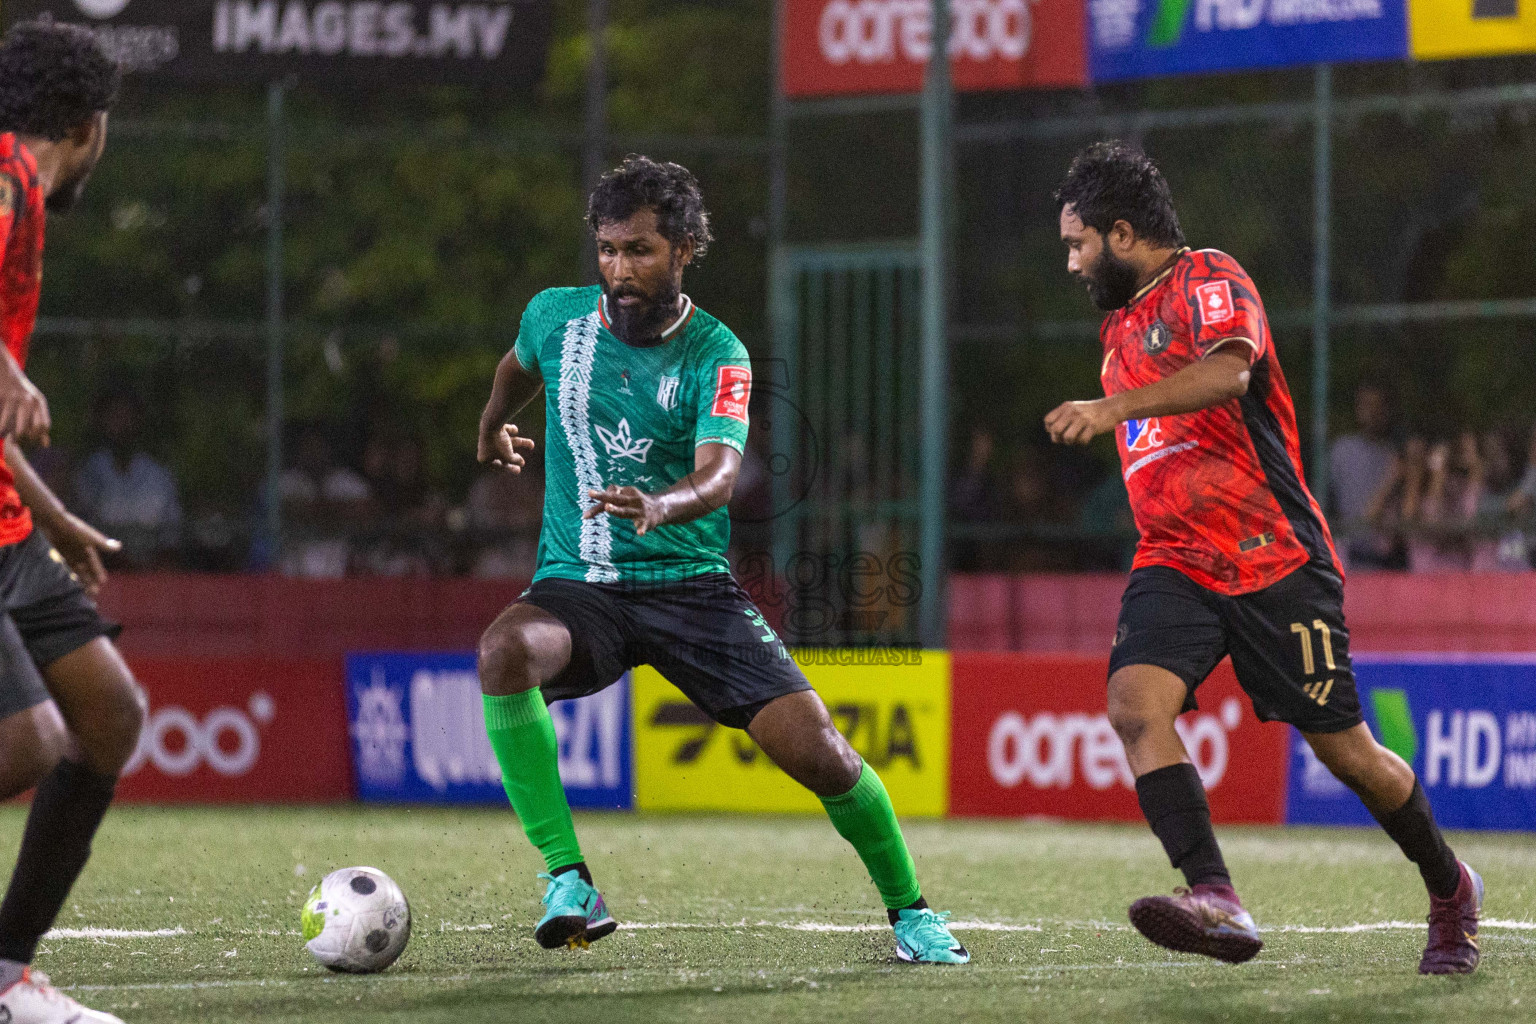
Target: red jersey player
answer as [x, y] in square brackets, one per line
[70, 711]
[1235, 556]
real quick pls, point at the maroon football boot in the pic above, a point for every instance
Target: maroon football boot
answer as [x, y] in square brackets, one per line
[1207, 919]
[1452, 945]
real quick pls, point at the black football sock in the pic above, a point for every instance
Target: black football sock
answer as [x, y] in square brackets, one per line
[1412, 827]
[66, 812]
[1173, 801]
[895, 915]
[580, 867]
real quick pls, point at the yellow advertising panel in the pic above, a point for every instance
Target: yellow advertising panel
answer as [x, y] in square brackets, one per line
[893, 705]
[1471, 28]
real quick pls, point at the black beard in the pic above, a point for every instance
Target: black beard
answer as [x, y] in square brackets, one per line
[1111, 282]
[643, 323]
[67, 195]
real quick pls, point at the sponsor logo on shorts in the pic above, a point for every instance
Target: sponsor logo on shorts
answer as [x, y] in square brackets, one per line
[1215, 299]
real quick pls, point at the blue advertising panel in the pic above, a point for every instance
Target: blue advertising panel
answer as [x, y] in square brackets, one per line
[1467, 725]
[1147, 38]
[418, 735]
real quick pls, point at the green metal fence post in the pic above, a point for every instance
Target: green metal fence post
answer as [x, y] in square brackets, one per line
[937, 113]
[276, 197]
[1322, 184]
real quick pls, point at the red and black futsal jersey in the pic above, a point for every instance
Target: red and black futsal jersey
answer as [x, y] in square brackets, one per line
[22, 220]
[1217, 494]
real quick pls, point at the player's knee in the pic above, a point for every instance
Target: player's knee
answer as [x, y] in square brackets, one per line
[117, 721]
[1128, 719]
[30, 762]
[506, 660]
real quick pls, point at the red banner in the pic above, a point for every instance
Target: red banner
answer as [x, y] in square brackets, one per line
[240, 730]
[835, 47]
[1030, 736]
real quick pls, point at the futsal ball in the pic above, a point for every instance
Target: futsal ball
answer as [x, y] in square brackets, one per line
[356, 921]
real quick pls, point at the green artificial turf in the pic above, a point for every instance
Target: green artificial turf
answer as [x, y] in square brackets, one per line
[749, 920]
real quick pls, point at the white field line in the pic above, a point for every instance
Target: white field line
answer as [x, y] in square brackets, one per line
[1492, 924]
[753, 976]
[115, 933]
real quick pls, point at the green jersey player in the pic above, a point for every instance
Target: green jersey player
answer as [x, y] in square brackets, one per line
[646, 410]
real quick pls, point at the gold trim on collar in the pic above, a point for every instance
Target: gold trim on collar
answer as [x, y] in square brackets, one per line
[1162, 276]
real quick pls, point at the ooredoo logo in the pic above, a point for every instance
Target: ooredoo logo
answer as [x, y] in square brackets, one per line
[226, 739]
[876, 31]
[1048, 750]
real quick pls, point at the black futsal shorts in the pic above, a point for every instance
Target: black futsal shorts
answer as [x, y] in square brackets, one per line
[47, 614]
[1288, 642]
[704, 634]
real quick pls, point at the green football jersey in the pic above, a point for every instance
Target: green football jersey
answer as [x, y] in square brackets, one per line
[629, 415]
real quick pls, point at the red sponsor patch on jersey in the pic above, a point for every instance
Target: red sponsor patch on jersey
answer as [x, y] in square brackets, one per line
[1215, 303]
[733, 388]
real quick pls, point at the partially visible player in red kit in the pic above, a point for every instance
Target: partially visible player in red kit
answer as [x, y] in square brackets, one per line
[1235, 556]
[70, 711]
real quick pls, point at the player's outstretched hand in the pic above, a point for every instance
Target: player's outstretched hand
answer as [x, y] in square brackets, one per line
[626, 503]
[81, 545]
[1079, 422]
[501, 446]
[23, 409]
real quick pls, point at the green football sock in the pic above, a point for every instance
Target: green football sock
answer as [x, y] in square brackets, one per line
[865, 818]
[523, 737]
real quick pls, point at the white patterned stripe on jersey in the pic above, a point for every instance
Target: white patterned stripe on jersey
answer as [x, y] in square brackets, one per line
[577, 353]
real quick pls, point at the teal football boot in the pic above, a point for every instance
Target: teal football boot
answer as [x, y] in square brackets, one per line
[923, 937]
[575, 915]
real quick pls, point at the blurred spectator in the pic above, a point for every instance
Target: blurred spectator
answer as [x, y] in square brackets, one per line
[408, 532]
[1441, 511]
[1359, 464]
[1500, 547]
[975, 497]
[504, 512]
[1106, 512]
[122, 490]
[322, 502]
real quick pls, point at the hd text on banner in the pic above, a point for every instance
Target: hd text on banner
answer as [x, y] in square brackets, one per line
[1466, 724]
[418, 735]
[1149, 38]
[1031, 736]
[891, 703]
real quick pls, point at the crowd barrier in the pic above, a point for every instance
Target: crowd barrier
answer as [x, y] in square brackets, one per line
[961, 734]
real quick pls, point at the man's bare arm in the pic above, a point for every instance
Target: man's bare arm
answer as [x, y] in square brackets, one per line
[76, 540]
[708, 487]
[1220, 377]
[512, 388]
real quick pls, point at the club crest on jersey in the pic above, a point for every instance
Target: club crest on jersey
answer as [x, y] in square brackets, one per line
[1143, 435]
[622, 444]
[1157, 338]
[666, 392]
[1215, 299]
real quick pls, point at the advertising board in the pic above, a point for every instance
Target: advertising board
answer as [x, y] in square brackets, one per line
[418, 735]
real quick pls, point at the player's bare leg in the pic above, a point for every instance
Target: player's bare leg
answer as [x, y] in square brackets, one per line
[103, 708]
[1391, 792]
[523, 649]
[31, 743]
[1144, 703]
[797, 734]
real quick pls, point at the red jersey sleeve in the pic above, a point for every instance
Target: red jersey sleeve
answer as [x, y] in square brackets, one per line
[10, 195]
[1224, 308]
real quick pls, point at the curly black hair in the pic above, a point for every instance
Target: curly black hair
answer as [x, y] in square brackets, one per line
[669, 189]
[1113, 180]
[53, 77]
